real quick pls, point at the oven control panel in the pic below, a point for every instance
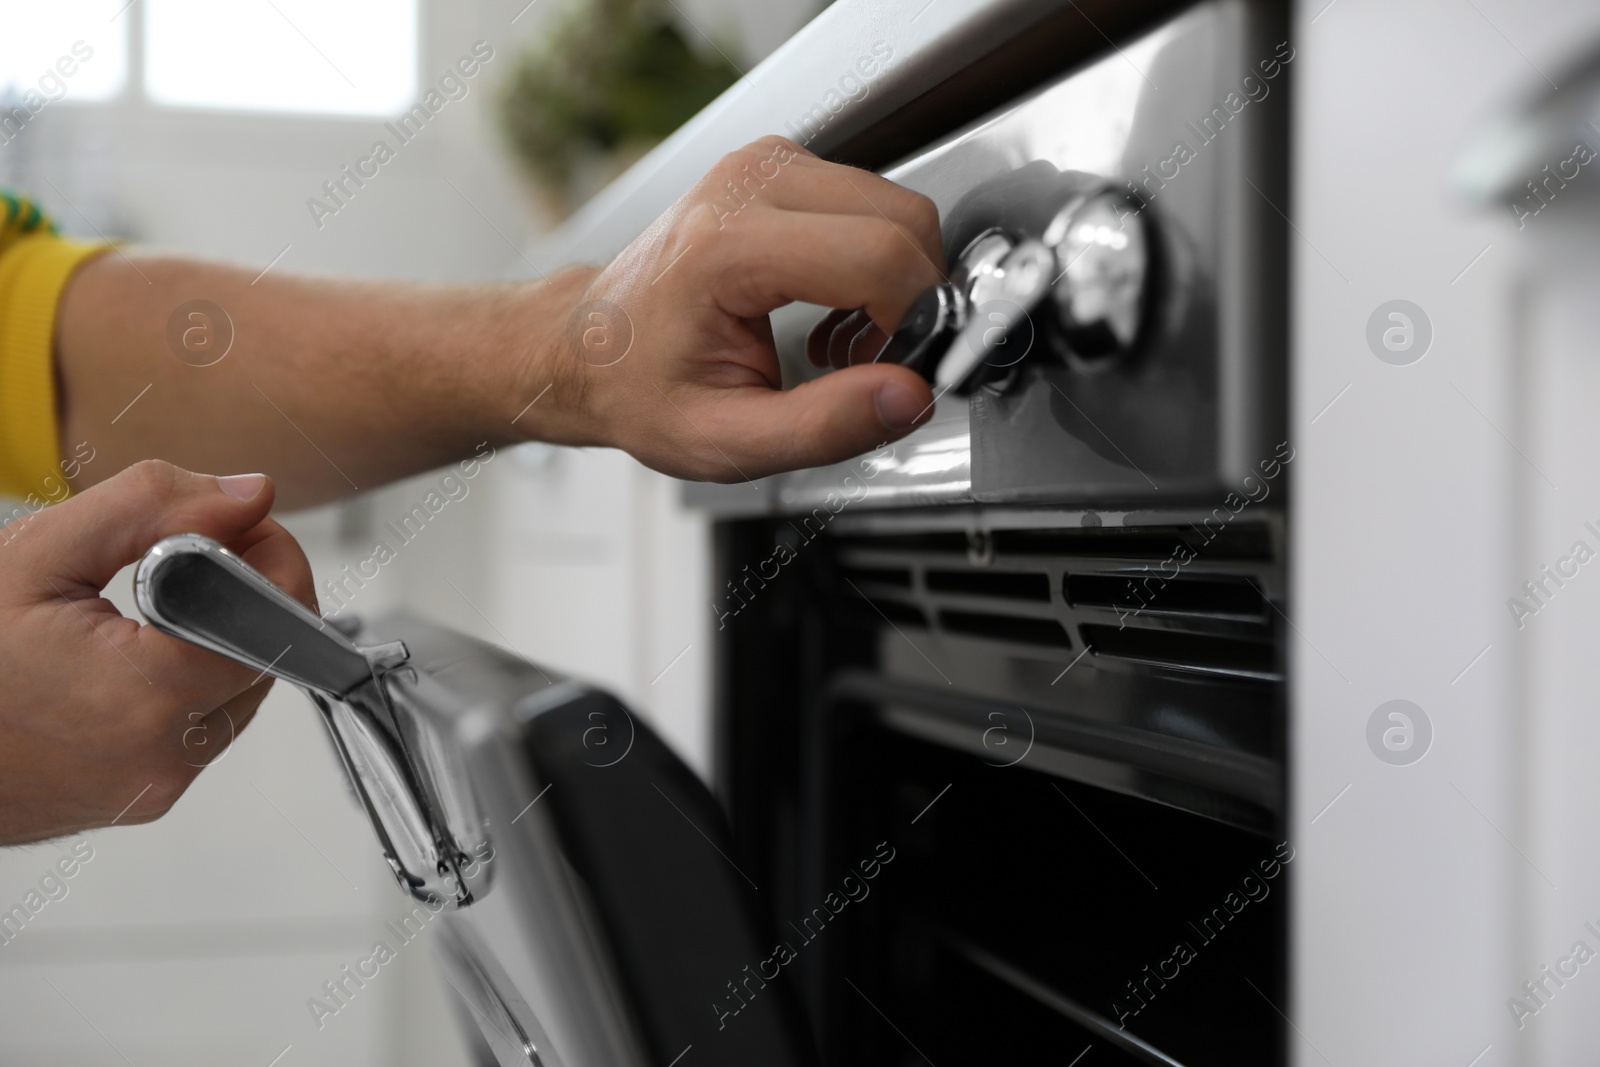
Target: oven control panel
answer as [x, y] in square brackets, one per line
[1080, 287]
[1112, 334]
[1114, 315]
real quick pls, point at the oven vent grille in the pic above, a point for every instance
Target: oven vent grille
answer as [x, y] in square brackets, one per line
[1185, 651]
[1021, 629]
[1056, 593]
[1217, 598]
[1238, 541]
[1002, 585]
[898, 577]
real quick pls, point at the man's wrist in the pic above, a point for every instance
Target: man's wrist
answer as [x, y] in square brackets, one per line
[550, 396]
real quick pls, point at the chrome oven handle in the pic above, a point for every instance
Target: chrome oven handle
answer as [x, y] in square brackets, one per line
[194, 589]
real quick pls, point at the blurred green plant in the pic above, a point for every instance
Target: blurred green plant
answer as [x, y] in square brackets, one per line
[614, 77]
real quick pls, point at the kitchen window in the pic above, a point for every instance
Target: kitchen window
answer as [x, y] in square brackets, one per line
[340, 58]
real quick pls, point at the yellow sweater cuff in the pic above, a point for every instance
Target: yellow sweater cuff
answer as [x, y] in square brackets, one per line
[33, 273]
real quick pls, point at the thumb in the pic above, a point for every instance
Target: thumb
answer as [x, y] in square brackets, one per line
[825, 420]
[88, 538]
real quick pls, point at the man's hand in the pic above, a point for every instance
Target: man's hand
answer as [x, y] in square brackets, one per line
[107, 720]
[673, 353]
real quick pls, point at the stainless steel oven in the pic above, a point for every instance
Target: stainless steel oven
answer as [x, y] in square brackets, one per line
[1035, 651]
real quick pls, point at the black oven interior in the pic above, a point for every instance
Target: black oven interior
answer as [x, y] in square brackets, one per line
[1080, 789]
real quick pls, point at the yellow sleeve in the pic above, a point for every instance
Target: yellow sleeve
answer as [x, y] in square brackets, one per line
[35, 266]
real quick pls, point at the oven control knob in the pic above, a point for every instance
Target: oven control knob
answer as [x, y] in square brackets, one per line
[927, 329]
[979, 267]
[1102, 248]
[999, 327]
[957, 332]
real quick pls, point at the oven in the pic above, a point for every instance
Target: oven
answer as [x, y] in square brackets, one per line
[1000, 722]
[1027, 666]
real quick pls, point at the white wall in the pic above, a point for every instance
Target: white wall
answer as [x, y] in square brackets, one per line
[1427, 893]
[1558, 730]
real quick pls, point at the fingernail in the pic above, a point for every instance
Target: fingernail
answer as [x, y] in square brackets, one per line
[899, 406]
[242, 486]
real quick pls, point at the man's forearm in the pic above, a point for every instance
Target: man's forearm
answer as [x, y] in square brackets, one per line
[329, 386]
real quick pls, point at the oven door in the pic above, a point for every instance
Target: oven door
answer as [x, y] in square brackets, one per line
[574, 873]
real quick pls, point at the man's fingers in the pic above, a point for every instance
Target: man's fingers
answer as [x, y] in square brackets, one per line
[832, 260]
[74, 548]
[209, 734]
[867, 345]
[774, 143]
[765, 228]
[812, 186]
[819, 422]
[821, 336]
[843, 335]
[855, 340]
[85, 540]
